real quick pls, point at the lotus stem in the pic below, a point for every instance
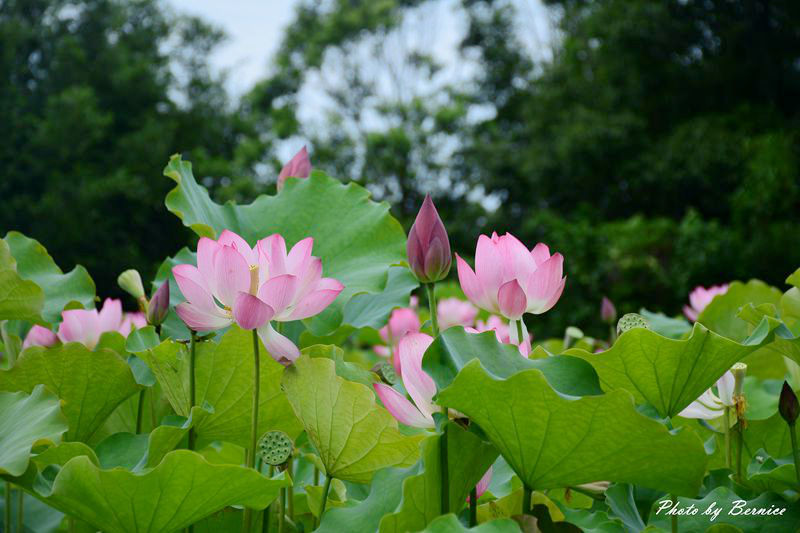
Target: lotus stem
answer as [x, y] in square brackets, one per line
[290, 488]
[20, 509]
[527, 495]
[281, 510]
[140, 411]
[432, 306]
[473, 507]
[251, 452]
[192, 386]
[727, 422]
[520, 333]
[71, 524]
[674, 517]
[8, 507]
[795, 451]
[445, 466]
[325, 490]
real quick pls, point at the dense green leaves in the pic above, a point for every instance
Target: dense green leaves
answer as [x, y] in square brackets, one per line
[20, 299]
[356, 238]
[552, 441]
[450, 524]
[90, 383]
[669, 374]
[27, 420]
[353, 436]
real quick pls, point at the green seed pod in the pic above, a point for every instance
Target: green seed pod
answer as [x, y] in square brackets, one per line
[386, 371]
[630, 321]
[275, 447]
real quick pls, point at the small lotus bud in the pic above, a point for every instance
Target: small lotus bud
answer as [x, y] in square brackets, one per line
[630, 321]
[131, 282]
[428, 245]
[788, 405]
[298, 167]
[608, 313]
[158, 307]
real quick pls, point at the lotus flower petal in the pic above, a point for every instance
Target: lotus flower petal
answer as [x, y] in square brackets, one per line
[400, 408]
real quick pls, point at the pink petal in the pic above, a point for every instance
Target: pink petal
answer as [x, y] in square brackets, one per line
[231, 275]
[279, 347]
[545, 284]
[489, 267]
[308, 279]
[402, 321]
[540, 253]
[193, 287]
[400, 408]
[39, 336]
[383, 351]
[229, 238]
[80, 325]
[520, 264]
[274, 249]
[455, 312]
[298, 258]
[110, 315]
[315, 302]
[420, 386]
[250, 312]
[690, 313]
[471, 286]
[206, 252]
[200, 319]
[298, 167]
[512, 300]
[483, 484]
[278, 293]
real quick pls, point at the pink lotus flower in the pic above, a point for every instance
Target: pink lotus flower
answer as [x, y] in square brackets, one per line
[419, 385]
[510, 280]
[428, 246]
[86, 325]
[608, 313]
[503, 333]
[454, 312]
[298, 167]
[233, 282]
[483, 484]
[39, 336]
[700, 297]
[402, 321]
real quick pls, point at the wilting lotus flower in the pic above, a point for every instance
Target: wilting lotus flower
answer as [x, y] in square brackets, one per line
[419, 385]
[298, 167]
[502, 332]
[454, 312]
[39, 336]
[428, 246]
[402, 321]
[510, 280]
[483, 484]
[251, 286]
[710, 406]
[700, 297]
[86, 325]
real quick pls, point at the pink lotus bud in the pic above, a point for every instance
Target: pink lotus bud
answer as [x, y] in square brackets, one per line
[608, 313]
[39, 336]
[158, 307]
[700, 297]
[428, 245]
[298, 167]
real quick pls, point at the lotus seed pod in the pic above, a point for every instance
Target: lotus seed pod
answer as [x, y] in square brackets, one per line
[386, 371]
[275, 447]
[630, 321]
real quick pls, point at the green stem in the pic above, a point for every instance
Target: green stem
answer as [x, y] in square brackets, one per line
[473, 507]
[526, 500]
[192, 386]
[795, 451]
[432, 306]
[281, 510]
[71, 524]
[20, 509]
[740, 442]
[251, 452]
[520, 334]
[290, 488]
[674, 520]
[325, 490]
[727, 422]
[445, 467]
[140, 411]
[8, 507]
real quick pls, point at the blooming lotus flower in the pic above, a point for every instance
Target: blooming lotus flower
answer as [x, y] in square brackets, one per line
[483, 484]
[402, 321]
[710, 406]
[428, 246]
[233, 282]
[700, 297]
[86, 325]
[298, 167]
[39, 336]
[511, 280]
[503, 333]
[455, 312]
[419, 385]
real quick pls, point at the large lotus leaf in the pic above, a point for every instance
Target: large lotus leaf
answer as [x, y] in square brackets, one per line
[468, 460]
[224, 380]
[27, 420]
[668, 373]
[60, 289]
[449, 524]
[181, 490]
[552, 441]
[720, 316]
[372, 310]
[731, 513]
[455, 347]
[353, 436]
[767, 474]
[90, 384]
[20, 299]
[356, 238]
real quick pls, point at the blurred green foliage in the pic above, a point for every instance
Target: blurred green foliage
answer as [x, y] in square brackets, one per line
[656, 147]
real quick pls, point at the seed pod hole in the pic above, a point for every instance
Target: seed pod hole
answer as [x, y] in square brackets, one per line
[275, 447]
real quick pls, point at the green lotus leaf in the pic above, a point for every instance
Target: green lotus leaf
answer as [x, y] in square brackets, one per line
[672, 327]
[184, 488]
[455, 348]
[224, 380]
[449, 524]
[720, 316]
[60, 289]
[356, 238]
[552, 441]
[669, 374]
[344, 369]
[767, 474]
[353, 436]
[468, 460]
[20, 299]
[372, 310]
[91, 384]
[27, 420]
[726, 500]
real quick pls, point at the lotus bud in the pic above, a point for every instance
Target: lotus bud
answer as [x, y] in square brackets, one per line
[158, 307]
[298, 167]
[428, 245]
[630, 321]
[608, 313]
[131, 282]
[788, 405]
